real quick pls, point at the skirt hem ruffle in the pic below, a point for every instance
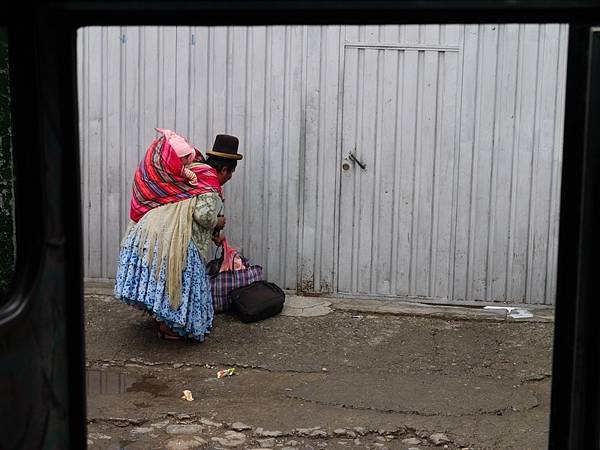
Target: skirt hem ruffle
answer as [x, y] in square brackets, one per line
[174, 326]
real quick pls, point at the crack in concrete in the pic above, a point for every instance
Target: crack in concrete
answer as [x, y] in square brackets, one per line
[536, 378]
[120, 422]
[495, 412]
[169, 365]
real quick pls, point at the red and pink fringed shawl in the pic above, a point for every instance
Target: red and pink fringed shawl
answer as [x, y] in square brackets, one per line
[159, 179]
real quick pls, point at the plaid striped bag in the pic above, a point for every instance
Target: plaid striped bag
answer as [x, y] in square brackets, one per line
[222, 283]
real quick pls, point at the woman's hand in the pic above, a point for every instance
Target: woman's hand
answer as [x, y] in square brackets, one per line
[218, 239]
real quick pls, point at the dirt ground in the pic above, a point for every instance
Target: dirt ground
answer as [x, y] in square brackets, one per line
[346, 379]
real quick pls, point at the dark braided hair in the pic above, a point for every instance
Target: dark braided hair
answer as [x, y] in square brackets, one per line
[219, 163]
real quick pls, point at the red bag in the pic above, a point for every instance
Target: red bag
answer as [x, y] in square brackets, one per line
[232, 260]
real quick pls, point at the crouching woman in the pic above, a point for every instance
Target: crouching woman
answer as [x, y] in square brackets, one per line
[162, 258]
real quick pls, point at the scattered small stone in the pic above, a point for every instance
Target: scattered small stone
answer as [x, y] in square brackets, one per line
[318, 433]
[239, 426]
[439, 438]
[288, 448]
[185, 443]
[361, 431]
[95, 435]
[90, 442]
[183, 416]
[344, 432]
[414, 448]
[384, 431]
[177, 365]
[325, 369]
[264, 443]
[142, 430]
[160, 425]
[301, 431]
[357, 442]
[269, 434]
[379, 444]
[123, 422]
[321, 445]
[380, 439]
[292, 443]
[140, 366]
[210, 423]
[411, 441]
[231, 439]
[184, 429]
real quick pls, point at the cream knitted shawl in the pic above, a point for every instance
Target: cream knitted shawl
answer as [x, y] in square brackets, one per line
[166, 232]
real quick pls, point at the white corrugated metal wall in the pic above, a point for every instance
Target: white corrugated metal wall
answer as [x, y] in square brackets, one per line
[460, 127]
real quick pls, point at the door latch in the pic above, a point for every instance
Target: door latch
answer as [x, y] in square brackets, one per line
[354, 159]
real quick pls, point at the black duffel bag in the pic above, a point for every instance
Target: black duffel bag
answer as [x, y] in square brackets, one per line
[257, 301]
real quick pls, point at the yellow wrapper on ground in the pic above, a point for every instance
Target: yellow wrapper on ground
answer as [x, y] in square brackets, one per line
[226, 373]
[187, 395]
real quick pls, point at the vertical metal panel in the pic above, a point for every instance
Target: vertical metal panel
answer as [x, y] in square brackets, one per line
[200, 82]
[465, 209]
[553, 213]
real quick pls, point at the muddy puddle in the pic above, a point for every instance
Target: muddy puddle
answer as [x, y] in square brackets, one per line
[108, 382]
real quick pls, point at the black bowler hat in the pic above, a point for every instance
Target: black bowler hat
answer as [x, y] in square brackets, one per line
[225, 146]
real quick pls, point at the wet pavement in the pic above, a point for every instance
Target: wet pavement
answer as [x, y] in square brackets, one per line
[327, 374]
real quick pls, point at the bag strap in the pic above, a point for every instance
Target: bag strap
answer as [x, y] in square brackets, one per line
[217, 251]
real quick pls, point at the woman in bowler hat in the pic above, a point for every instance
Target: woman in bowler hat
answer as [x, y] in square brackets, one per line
[175, 217]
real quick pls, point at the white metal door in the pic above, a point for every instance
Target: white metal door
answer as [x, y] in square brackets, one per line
[398, 150]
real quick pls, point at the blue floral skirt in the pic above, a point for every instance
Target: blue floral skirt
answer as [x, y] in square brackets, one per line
[136, 285]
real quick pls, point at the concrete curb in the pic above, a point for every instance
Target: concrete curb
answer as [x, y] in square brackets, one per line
[540, 314]
[303, 306]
